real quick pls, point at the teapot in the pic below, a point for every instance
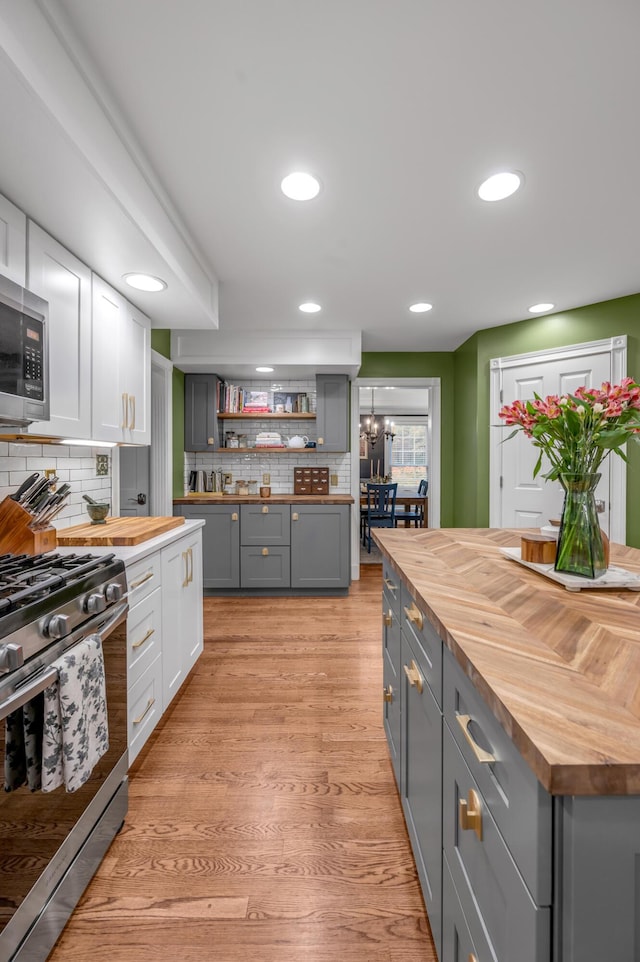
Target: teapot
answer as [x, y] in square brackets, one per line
[297, 441]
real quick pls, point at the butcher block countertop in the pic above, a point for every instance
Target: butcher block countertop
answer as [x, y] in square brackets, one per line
[256, 499]
[560, 670]
[117, 531]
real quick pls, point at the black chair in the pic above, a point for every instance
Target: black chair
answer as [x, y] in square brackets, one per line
[417, 515]
[380, 510]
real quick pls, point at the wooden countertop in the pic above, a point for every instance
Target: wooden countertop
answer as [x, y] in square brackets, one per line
[273, 499]
[560, 670]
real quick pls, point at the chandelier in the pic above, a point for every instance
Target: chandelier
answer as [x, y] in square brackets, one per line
[373, 429]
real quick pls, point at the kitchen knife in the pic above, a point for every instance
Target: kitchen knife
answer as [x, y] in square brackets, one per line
[24, 487]
[52, 509]
[34, 494]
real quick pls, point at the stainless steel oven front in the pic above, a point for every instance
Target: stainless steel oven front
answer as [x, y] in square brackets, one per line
[52, 843]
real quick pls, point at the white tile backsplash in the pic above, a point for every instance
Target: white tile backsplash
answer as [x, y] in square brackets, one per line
[251, 467]
[73, 465]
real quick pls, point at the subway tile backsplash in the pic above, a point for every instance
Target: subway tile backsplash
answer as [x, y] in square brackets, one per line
[251, 467]
[74, 464]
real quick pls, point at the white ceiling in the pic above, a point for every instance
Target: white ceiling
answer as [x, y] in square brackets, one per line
[401, 107]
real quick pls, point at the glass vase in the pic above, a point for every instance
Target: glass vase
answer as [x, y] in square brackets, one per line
[580, 545]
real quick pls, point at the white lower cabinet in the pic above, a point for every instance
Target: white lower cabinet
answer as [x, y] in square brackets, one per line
[164, 631]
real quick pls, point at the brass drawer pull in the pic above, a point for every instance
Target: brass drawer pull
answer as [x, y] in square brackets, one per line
[415, 615]
[390, 585]
[414, 676]
[470, 812]
[320, 440]
[185, 560]
[150, 704]
[138, 644]
[265, 552]
[265, 509]
[136, 584]
[388, 618]
[387, 693]
[484, 757]
[295, 516]
[234, 516]
[472, 957]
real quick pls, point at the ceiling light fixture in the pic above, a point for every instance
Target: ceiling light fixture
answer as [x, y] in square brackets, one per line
[373, 429]
[264, 370]
[420, 307]
[500, 185]
[300, 186]
[145, 282]
[309, 308]
[541, 308]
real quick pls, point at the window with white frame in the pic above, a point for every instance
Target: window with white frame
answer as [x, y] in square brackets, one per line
[409, 451]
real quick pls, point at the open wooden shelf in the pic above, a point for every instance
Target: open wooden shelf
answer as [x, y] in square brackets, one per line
[264, 450]
[264, 416]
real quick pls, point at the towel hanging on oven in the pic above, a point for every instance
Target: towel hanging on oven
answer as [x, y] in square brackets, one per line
[23, 746]
[76, 731]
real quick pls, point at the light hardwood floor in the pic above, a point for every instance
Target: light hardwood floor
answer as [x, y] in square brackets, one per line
[264, 822]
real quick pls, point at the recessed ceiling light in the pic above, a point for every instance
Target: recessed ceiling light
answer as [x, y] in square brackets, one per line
[420, 308]
[500, 185]
[309, 308]
[264, 370]
[541, 308]
[145, 282]
[300, 186]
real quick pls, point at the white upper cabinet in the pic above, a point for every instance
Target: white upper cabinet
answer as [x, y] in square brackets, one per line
[121, 368]
[65, 282]
[13, 233]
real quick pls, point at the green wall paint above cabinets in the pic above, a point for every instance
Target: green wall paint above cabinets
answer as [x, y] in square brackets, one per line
[161, 342]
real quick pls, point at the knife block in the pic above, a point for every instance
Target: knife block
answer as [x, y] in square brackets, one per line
[16, 534]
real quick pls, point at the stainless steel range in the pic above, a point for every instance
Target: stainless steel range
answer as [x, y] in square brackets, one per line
[52, 842]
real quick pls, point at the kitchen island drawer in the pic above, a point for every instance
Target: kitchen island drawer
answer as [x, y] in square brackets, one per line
[266, 566]
[143, 577]
[515, 798]
[144, 707]
[391, 586]
[492, 893]
[144, 635]
[419, 629]
[265, 524]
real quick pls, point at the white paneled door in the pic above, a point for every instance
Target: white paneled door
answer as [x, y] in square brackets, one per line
[518, 499]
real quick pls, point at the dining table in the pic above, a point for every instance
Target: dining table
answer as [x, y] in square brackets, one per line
[410, 501]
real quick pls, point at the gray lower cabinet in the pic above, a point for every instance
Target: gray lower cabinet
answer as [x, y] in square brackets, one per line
[332, 412]
[220, 542]
[265, 555]
[392, 668]
[320, 546]
[421, 777]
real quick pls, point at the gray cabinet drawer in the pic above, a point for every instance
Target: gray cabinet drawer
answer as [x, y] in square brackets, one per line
[492, 893]
[391, 634]
[265, 524]
[421, 779]
[457, 942]
[516, 799]
[268, 566]
[391, 586]
[392, 718]
[418, 628]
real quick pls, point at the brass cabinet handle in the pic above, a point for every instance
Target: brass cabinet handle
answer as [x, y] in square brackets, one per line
[125, 411]
[320, 440]
[137, 644]
[387, 693]
[234, 516]
[190, 559]
[136, 584]
[472, 957]
[390, 585]
[415, 615]
[387, 618]
[265, 509]
[185, 561]
[150, 704]
[265, 552]
[295, 516]
[414, 676]
[210, 441]
[470, 813]
[484, 757]
[132, 410]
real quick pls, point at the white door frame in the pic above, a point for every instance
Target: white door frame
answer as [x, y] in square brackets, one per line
[617, 348]
[161, 453]
[432, 384]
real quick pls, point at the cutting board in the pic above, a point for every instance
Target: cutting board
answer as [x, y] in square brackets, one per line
[117, 531]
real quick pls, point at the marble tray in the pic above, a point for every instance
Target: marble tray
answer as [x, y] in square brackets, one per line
[613, 577]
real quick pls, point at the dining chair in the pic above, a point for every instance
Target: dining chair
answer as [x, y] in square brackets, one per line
[416, 515]
[381, 509]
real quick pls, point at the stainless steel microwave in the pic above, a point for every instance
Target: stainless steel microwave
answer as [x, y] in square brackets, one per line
[24, 356]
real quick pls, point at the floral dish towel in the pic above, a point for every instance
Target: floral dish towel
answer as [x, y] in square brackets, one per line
[76, 731]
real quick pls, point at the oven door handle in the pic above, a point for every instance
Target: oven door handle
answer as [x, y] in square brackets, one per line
[23, 695]
[118, 615]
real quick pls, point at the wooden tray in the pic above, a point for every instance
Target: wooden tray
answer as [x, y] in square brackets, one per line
[117, 531]
[613, 577]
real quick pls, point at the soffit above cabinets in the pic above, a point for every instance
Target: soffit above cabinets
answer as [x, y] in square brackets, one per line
[292, 354]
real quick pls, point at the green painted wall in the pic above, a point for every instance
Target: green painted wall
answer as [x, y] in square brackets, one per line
[161, 342]
[415, 364]
[606, 319]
